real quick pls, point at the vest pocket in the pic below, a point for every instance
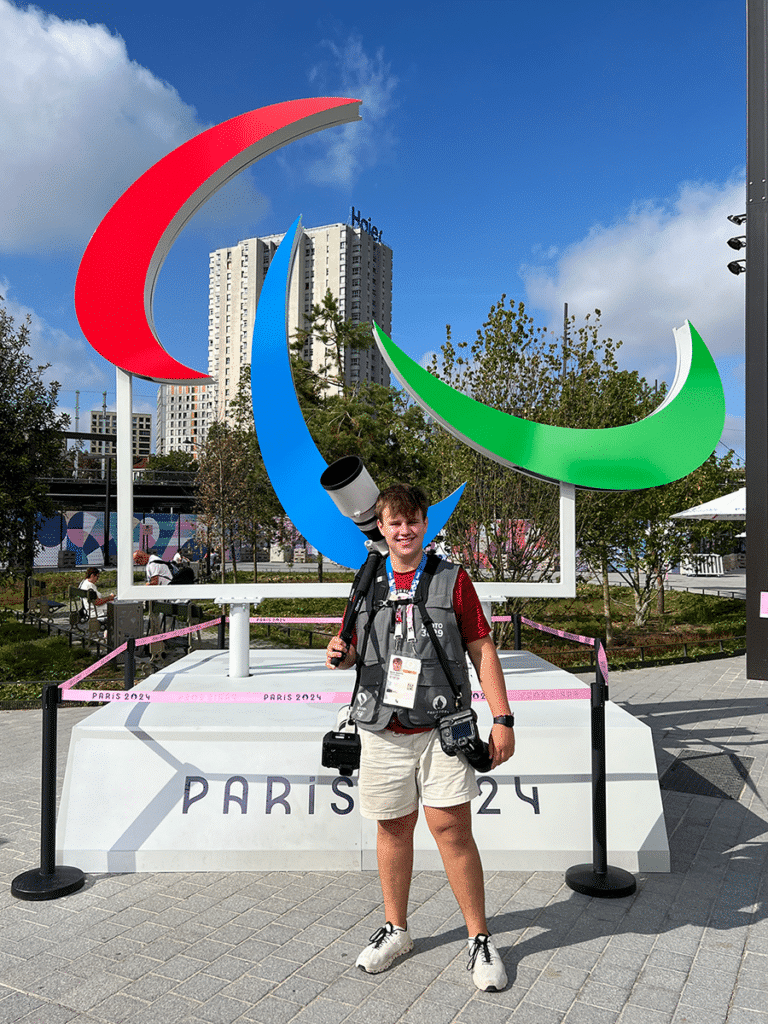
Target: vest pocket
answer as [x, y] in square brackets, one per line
[367, 697]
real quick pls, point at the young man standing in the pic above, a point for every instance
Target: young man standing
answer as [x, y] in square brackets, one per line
[402, 760]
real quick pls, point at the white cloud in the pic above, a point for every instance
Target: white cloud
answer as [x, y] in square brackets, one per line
[79, 121]
[659, 265]
[347, 150]
[71, 359]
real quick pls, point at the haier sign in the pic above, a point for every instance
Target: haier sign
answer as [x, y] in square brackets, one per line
[361, 222]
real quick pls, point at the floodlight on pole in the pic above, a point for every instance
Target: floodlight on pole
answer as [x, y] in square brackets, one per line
[738, 267]
[738, 242]
[737, 218]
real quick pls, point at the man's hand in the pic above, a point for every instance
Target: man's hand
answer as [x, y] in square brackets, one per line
[501, 744]
[337, 648]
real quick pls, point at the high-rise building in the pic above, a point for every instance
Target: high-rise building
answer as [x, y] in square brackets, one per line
[349, 260]
[183, 414]
[106, 423]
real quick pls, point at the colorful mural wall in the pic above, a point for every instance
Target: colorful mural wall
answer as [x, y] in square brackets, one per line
[82, 534]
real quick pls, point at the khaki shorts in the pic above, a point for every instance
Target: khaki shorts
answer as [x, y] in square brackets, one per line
[397, 770]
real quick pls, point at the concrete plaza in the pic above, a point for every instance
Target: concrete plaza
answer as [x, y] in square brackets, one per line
[690, 947]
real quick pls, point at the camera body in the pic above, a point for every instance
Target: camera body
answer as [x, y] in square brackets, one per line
[341, 750]
[341, 746]
[459, 735]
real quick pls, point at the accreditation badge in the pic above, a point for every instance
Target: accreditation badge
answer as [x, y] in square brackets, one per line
[402, 679]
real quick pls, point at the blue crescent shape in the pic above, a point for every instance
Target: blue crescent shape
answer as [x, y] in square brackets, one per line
[292, 461]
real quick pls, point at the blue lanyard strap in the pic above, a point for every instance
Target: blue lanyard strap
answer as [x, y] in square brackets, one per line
[416, 577]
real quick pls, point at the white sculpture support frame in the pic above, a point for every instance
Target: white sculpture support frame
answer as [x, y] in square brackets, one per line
[252, 593]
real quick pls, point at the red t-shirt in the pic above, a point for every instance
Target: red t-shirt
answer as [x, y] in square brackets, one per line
[472, 623]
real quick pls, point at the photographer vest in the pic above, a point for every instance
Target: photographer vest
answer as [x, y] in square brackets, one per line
[376, 626]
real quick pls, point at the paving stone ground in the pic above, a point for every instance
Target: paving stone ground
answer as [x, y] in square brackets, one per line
[690, 947]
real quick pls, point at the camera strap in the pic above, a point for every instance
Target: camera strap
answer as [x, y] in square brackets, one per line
[372, 595]
[429, 570]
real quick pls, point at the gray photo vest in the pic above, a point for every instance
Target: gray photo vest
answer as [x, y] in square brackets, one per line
[376, 643]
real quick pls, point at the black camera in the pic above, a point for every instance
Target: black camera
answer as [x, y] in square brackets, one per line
[459, 735]
[341, 750]
[341, 746]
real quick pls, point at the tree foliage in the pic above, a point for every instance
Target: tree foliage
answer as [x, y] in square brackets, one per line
[629, 532]
[506, 525]
[376, 423]
[332, 336]
[172, 462]
[632, 533]
[31, 445]
[237, 504]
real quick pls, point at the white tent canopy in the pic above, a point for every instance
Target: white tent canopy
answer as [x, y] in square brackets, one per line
[729, 506]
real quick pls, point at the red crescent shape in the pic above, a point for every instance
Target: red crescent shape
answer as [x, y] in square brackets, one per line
[117, 275]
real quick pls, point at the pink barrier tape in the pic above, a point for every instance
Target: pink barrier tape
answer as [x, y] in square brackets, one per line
[602, 658]
[172, 697]
[88, 671]
[288, 622]
[266, 697]
[140, 641]
[262, 697]
[523, 695]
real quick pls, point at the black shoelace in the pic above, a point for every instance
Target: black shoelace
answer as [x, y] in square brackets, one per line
[379, 936]
[479, 944]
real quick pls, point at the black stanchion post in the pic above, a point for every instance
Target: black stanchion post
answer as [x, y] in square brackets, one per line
[222, 632]
[516, 621]
[129, 669]
[597, 878]
[48, 882]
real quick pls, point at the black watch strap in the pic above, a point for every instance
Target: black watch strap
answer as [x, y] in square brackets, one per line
[506, 720]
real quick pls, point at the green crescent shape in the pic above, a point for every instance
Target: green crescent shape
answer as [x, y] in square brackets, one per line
[671, 442]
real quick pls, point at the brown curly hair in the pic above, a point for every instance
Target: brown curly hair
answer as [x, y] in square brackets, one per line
[402, 499]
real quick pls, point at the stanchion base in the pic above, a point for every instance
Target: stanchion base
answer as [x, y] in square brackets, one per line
[34, 885]
[614, 884]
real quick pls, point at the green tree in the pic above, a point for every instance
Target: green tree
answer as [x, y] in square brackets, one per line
[628, 532]
[332, 336]
[376, 423]
[220, 489]
[505, 527]
[32, 446]
[260, 516]
[632, 533]
[172, 462]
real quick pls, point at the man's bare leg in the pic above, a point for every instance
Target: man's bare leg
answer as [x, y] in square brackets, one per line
[452, 831]
[394, 852]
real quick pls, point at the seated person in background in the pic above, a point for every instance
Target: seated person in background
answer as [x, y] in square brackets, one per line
[89, 583]
[158, 573]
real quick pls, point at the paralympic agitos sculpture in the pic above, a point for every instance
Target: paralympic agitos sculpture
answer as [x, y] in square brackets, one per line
[113, 299]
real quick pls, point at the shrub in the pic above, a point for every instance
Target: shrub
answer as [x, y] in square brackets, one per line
[12, 632]
[48, 658]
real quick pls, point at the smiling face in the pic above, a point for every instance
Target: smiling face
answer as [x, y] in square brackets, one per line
[404, 533]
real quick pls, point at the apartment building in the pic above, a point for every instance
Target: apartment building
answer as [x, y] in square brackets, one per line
[184, 412]
[106, 423]
[349, 260]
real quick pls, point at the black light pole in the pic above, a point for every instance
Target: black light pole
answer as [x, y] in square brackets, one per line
[756, 337]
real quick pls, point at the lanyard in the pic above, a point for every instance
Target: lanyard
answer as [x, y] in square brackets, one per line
[400, 597]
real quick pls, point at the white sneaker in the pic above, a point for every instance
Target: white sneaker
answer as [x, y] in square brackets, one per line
[384, 946]
[486, 965]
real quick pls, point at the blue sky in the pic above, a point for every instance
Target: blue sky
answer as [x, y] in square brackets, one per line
[566, 152]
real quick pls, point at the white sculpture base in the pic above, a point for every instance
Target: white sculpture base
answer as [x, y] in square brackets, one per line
[239, 787]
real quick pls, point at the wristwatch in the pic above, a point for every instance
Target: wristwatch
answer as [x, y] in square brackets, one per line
[506, 720]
